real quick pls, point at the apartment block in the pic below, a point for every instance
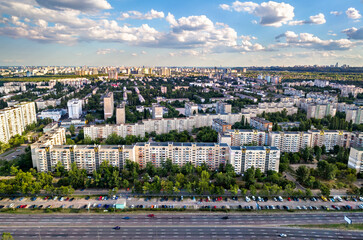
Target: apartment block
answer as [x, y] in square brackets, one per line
[356, 159]
[191, 109]
[320, 111]
[74, 108]
[157, 111]
[243, 137]
[289, 141]
[355, 115]
[223, 108]
[220, 125]
[108, 105]
[261, 124]
[120, 114]
[13, 120]
[330, 138]
[263, 158]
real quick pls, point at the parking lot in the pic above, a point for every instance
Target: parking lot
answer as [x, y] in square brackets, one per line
[302, 204]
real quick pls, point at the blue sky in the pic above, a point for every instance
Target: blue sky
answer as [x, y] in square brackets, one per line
[181, 33]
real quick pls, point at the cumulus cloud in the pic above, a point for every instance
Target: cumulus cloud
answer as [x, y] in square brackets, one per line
[271, 13]
[70, 26]
[81, 5]
[353, 13]
[317, 19]
[138, 15]
[336, 13]
[308, 40]
[354, 33]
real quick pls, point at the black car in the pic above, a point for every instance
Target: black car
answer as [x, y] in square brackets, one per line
[117, 228]
[225, 218]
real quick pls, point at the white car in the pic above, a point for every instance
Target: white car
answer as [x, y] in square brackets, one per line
[282, 235]
[248, 199]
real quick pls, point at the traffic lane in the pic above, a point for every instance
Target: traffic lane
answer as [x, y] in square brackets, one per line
[179, 219]
[94, 232]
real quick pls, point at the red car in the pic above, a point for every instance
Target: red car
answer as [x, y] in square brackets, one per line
[151, 215]
[288, 199]
[100, 198]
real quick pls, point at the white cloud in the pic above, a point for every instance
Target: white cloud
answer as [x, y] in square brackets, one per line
[105, 51]
[331, 33]
[336, 13]
[308, 40]
[353, 13]
[138, 15]
[134, 54]
[271, 13]
[82, 5]
[354, 33]
[317, 19]
[225, 7]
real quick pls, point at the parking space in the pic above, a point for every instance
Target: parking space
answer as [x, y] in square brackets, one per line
[252, 203]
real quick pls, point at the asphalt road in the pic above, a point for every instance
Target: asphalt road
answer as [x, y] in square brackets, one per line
[178, 219]
[175, 226]
[13, 153]
[214, 232]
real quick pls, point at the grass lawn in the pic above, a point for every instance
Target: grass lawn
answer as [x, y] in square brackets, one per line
[342, 226]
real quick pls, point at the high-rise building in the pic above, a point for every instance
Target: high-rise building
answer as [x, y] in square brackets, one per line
[74, 108]
[223, 107]
[320, 111]
[263, 158]
[157, 111]
[243, 137]
[120, 114]
[356, 159]
[289, 141]
[166, 72]
[112, 74]
[108, 105]
[220, 125]
[164, 89]
[261, 124]
[13, 120]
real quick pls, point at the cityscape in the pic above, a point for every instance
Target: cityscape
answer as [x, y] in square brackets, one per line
[193, 119]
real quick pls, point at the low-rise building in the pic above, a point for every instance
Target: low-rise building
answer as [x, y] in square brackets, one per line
[54, 114]
[261, 124]
[220, 125]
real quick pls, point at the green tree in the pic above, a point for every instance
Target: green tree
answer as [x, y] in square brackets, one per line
[72, 130]
[325, 191]
[303, 174]
[6, 236]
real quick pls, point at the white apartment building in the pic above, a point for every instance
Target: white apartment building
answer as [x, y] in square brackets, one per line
[320, 111]
[55, 114]
[263, 158]
[161, 126]
[356, 159]
[45, 158]
[243, 137]
[355, 115]
[74, 108]
[321, 83]
[13, 120]
[330, 138]
[289, 141]
[191, 109]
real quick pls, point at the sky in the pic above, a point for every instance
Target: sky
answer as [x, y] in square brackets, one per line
[204, 33]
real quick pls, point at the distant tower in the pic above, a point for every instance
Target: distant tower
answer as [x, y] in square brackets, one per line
[336, 65]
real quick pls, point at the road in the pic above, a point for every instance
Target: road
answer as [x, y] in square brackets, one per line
[175, 226]
[13, 153]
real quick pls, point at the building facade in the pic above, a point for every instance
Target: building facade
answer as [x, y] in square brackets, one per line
[263, 158]
[243, 137]
[13, 120]
[261, 124]
[220, 125]
[120, 114]
[74, 109]
[356, 159]
[108, 105]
